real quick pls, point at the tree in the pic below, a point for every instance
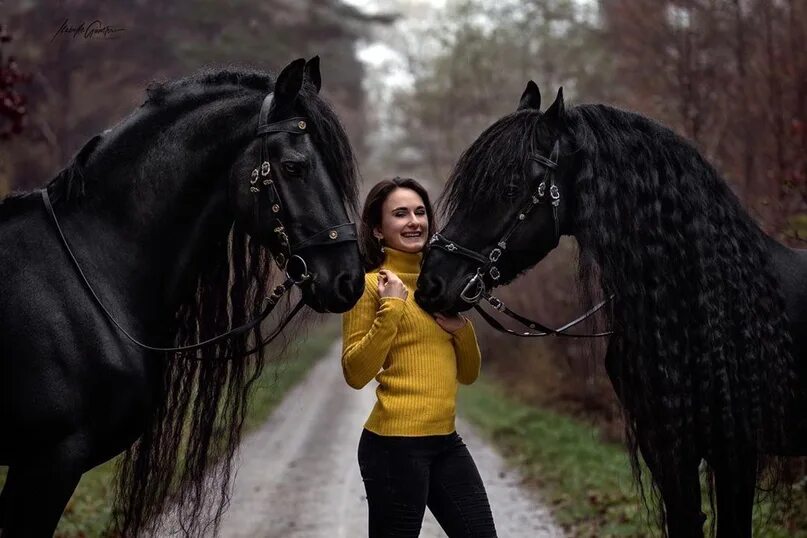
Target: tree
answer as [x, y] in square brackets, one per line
[12, 102]
[79, 84]
[732, 76]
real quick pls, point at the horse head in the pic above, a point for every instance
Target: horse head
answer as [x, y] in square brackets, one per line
[285, 194]
[507, 202]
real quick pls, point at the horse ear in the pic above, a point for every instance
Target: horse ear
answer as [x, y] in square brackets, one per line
[556, 113]
[288, 84]
[312, 72]
[531, 98]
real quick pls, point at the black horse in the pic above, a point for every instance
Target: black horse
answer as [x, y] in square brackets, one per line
[177, 220]
[709, 351]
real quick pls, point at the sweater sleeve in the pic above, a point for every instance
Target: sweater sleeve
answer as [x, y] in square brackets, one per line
[469, 359]
[367, 333]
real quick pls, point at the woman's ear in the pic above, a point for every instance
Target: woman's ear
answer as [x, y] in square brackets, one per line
[377, 233]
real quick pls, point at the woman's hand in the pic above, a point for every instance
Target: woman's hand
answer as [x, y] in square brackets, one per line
[450, 323]
[389, 285]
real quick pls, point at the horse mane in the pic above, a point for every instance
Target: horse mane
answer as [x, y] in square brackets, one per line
[701, 325]
[66, 183]
[184, 457]
[187, 93]
[326, 130]
[701, 330]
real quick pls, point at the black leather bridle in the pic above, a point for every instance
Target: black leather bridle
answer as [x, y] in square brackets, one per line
[261, 181]
[546, 193]
[296, 275]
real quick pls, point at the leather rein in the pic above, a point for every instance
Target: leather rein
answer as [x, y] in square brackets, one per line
[546, 193]
[297, 275]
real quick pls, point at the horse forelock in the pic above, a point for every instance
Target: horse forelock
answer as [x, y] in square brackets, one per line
[498, 154]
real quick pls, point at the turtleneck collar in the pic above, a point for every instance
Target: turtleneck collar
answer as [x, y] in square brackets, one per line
[399, 261]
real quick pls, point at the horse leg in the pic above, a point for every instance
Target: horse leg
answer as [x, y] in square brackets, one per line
[735, 487]
[680, 491]
[35, 495]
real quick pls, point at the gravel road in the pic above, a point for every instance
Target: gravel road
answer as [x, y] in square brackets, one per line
[298, 476]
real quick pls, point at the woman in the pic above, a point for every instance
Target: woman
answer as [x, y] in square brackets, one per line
[410, 455]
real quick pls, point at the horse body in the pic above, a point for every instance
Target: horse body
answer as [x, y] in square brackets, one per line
[95, 388]
[735, 483]
[74, 392]
[708, 355]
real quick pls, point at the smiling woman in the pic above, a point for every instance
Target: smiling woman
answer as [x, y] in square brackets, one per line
[410, 454]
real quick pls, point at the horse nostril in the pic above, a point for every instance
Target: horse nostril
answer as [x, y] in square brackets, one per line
[431, 287]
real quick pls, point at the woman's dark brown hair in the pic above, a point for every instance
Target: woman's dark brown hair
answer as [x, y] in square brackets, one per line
[371, 217]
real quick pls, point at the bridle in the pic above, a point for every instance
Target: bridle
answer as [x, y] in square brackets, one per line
[261, 181]
[546, 193]
[295, 275]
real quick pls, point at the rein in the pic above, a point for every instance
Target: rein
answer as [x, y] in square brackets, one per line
[270, 302]
[475, 290]
[329, 235]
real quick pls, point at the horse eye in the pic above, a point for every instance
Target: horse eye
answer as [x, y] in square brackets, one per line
[292, 168]
[511, 191]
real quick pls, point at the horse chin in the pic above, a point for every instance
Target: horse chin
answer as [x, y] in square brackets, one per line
[443, 304]
[324, 300]
[314, 300]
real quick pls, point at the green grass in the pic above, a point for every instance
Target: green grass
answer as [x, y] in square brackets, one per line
[799, 222]
[88, 512]
[586, 482]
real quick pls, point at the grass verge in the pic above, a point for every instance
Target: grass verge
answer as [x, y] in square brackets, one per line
[88, 512]
[586, 482]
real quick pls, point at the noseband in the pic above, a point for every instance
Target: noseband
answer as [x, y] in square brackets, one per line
[546, 193]
[261, 181]
[297, 275]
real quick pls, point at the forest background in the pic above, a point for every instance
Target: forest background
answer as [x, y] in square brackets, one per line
[416, 81]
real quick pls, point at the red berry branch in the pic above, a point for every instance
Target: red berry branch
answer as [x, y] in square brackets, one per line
[12, 102]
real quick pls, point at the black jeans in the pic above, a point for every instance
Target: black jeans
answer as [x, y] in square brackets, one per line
[403, 475]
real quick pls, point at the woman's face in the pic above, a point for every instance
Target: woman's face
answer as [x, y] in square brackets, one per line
[404, 224]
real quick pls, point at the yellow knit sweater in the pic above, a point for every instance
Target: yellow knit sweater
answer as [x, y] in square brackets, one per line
[416, 363]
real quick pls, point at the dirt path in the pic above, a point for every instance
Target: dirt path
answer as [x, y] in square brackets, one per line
[298, 475]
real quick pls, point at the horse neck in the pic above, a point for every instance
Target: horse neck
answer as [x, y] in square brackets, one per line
[147, 224]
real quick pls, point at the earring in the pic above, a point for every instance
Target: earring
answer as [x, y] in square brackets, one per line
[380, 245]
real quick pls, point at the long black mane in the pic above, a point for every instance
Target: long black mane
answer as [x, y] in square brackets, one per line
[702, 335]
[185, 455]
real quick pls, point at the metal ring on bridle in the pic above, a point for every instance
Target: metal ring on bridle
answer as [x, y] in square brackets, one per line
[470, 295]
[298, 277]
